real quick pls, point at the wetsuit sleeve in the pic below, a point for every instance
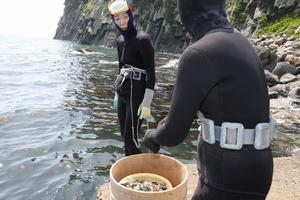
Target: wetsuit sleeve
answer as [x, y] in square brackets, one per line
[147, 52]
[195, 78]
[120, 50]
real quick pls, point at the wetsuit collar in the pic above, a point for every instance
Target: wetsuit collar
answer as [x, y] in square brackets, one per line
[220, 30]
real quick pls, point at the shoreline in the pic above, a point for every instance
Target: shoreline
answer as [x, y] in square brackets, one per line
[285, 184]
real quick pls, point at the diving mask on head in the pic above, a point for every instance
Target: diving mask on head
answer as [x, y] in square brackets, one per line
[117, 6]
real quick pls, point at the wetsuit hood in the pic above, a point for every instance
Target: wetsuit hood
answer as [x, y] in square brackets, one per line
[131, 30]
[202, 16]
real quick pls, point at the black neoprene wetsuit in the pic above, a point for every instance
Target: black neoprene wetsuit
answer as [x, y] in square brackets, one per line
[220, 75]
[139, 53]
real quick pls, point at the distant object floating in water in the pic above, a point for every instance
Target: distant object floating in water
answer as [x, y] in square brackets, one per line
[105, 62]
[87, 51]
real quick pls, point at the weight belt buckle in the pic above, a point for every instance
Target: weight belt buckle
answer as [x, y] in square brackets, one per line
[263, 136]
[231, 135]
[207, 128]
[136, 75]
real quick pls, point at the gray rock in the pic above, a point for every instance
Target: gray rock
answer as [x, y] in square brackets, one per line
[281, 57]
[280, 41]
[297, 30]
[264, 54]
[273, 57]
[179, 31]
[273, 95]
[281, 50]
[271, 67]
[287, 78]
[295, 93]
[287, 118]
[292, 85]
[267, 42]
[293, 60]
[258, 13]
[271, 78]
[284, 3]
[284, 68]
[266, 37]
[298, 71]
[295, 45]
[281, 89]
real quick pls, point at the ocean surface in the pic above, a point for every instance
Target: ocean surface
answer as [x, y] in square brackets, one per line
[59, 133]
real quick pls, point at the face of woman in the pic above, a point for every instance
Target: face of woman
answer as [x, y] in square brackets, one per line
[121, 19]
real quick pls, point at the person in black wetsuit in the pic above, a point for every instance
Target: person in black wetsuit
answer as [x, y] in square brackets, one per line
[221, 76]
[135, 83]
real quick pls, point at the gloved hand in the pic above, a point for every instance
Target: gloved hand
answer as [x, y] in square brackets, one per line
[144, 110]
[148, 142]
[116, 101]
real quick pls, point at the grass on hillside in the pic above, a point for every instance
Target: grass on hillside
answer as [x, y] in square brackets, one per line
[286, 25]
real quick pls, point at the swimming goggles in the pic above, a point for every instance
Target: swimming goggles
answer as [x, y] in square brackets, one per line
[117, 6]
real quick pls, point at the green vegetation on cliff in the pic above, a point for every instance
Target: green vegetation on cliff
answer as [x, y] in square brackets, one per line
[286, 25]
[90, 6]
[170, 8]
[236, 11]
[147, 13]
[263, 21]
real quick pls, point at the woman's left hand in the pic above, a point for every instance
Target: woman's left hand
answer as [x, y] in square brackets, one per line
[144, 112]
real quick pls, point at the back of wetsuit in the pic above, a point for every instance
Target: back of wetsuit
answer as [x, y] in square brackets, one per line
[220, 75]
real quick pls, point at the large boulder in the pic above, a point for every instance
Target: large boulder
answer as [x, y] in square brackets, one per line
[295, 93]
[293, 60]
[280, 41]
[287, 78]
[270, 67]
[281, 89]
[273, 95]
[264, 54]
[271, 78]
[284, 3]
[284, 68]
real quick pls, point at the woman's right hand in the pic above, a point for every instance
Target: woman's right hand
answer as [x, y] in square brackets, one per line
[148, 141]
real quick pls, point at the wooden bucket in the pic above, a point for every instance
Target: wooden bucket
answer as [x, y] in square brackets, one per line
[162, 165]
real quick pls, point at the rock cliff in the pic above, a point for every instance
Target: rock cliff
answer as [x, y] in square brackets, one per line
[87, 21]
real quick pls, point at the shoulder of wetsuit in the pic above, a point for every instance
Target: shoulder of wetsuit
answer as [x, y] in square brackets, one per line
[120, 39]
[141, 35]
[197, 48]
[193, 56]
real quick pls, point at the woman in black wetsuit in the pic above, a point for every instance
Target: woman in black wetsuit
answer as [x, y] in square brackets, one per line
[221, 76]
[135, 83]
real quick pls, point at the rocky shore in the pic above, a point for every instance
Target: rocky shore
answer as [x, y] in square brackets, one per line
[280, 57]
[285, 185]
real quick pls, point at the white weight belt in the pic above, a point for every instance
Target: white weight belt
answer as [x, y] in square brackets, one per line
[234, 135]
